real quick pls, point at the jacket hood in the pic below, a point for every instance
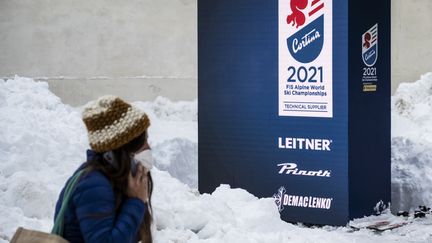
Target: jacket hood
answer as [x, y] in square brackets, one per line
[91, 154]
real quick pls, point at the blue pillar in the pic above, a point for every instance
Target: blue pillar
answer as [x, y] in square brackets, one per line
[294, 103]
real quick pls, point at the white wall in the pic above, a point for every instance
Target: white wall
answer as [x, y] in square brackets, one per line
[140, 49]
[134, 48]
[411, 40]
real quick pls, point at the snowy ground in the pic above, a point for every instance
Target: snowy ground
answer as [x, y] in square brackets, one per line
[43, 140]
[412, 144]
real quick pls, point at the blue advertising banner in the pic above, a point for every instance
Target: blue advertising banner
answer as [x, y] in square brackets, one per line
[294, 104]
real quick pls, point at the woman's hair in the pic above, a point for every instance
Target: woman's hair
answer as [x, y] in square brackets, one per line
[119, 175]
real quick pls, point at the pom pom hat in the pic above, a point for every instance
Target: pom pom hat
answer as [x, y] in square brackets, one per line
[112, 123]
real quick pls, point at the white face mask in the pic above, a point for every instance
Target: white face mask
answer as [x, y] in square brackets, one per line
[145, 158]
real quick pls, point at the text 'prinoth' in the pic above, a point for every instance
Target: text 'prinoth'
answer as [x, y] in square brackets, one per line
[291, 169]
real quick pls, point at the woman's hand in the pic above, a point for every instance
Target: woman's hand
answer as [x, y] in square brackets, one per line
[138, 185]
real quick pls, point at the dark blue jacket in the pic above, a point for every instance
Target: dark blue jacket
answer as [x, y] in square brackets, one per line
[91, 216]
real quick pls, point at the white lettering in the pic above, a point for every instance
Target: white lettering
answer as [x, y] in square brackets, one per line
[287, 166]
[305, 143]
[307, 202]
[318, 144]
[291, 169]
[369, 55]
[280, 143]
[294, 201]
[310, 144]
[326, 144]
[301, 201]
[314, 201]
[305, 40]
[286, 199]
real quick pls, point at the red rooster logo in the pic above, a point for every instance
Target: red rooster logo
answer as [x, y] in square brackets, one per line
[297, 17]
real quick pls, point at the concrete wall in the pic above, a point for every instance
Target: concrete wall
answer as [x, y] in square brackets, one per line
[411, 40]
[140, 49]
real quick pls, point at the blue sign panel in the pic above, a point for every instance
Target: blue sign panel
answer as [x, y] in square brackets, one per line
[286, 93]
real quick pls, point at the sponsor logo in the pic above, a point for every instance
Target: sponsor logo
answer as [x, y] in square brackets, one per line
[305, 58]
[291, 169]
[306, 44]
[370, 46]
[305, 144]
[369, 87]
[370, 56]
[283, 199]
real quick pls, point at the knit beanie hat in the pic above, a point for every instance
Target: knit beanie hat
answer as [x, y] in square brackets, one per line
[112, 123]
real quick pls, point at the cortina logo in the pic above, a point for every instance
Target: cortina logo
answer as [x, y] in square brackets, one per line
[297, 18]
[291, 169]
[306, 44]
[283, 199]
[370, 46]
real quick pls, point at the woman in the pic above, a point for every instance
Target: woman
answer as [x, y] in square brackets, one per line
[111, 201]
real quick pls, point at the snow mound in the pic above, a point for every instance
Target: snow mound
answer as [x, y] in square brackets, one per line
[179, 157]
[411, 174]
[164, 109]
[182, 215]
[170, 120]
[411, 110]
[234, 215]
[412, 144]
[42, 141]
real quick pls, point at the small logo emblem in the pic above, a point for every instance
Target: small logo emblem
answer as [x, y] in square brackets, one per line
[297, 18]
[306, 43]
[283, 199]
[370, 46]
[278, 197]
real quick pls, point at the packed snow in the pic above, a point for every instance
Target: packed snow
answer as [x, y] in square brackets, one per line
[412, 144]
[43, 140]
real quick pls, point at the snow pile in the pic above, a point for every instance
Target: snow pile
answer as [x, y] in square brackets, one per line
[42, 141]
[39, 141]
[171, 120]
[180, 158]
[234, 215]
[173, 137]
[164, 109]
[412, 144]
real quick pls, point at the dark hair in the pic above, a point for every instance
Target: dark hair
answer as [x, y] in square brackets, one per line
[118, 176]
